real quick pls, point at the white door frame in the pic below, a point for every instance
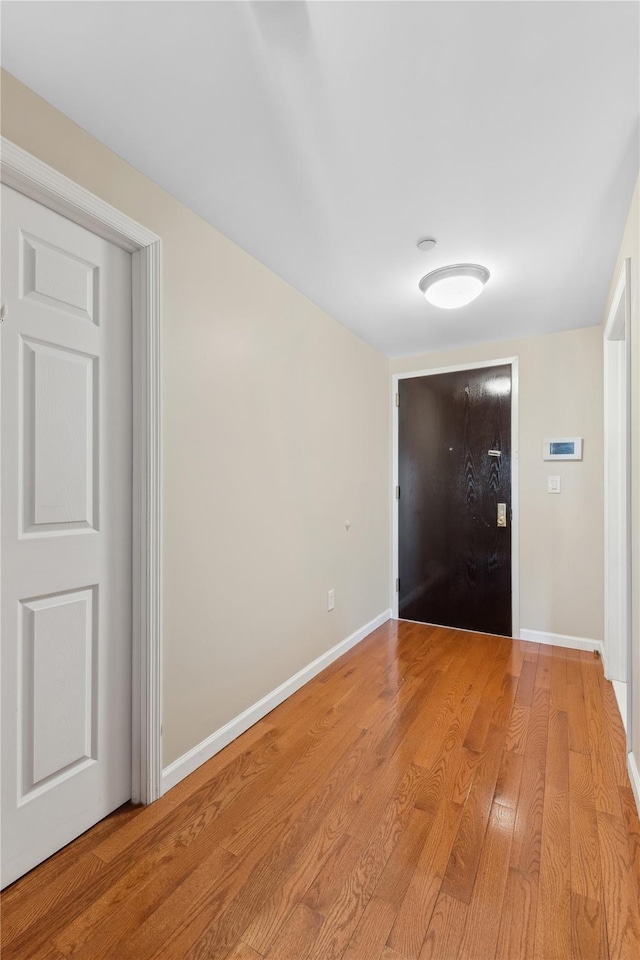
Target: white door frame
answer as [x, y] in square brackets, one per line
[30, 176]
[617, 494]
[515, 511]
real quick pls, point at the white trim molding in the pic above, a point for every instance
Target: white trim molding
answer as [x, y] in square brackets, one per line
[620, 691]
[512, 362]
[617, 487]
[634, 777]
[562, 640]
[208, 748]
[35, 179]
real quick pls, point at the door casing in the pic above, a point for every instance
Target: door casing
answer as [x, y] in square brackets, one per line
[512, 362]
[617, 496]
[30, 176]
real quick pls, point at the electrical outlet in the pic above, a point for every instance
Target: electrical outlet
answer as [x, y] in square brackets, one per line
[331, 599]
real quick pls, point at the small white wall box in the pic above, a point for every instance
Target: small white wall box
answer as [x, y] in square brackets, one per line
[562, 448]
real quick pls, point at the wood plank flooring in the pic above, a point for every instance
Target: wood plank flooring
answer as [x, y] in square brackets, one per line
[433, 794]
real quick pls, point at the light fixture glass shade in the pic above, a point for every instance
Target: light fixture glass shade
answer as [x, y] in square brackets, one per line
[455, 286]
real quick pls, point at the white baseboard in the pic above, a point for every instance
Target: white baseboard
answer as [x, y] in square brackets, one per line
[634, 777]
[208, 748]
[562, 640]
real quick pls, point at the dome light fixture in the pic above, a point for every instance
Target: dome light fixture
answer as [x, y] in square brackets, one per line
[454, 286]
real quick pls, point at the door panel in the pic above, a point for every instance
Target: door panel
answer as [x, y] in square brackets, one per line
[59, 438]
[454, 468]
[56, 725]
[58, 279]
[66, 472]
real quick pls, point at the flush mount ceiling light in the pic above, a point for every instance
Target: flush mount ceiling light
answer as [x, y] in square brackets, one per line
[455, 286]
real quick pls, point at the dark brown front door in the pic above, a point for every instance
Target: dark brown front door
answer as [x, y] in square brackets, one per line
[454, 469]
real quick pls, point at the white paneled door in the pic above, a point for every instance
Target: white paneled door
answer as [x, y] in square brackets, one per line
[66, 477]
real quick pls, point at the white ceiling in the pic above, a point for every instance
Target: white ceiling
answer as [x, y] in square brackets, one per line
[326, 138]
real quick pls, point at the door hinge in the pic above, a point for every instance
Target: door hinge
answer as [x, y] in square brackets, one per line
[397, 584]
[397, 493]
[397, 399]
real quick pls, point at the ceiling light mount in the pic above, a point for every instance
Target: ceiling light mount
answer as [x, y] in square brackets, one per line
[454, 286]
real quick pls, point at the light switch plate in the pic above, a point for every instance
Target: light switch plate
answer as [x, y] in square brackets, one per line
[553, 484]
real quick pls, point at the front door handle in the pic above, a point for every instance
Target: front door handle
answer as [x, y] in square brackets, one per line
[502, 514]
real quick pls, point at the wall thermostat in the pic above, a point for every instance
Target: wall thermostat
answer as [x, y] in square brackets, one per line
[562, 448]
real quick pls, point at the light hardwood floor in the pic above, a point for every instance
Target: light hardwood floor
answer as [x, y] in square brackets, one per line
[433, 794]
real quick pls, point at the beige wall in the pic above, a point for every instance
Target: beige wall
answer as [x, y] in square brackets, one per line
[561, 536]
[274, 435]
[630, 247]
